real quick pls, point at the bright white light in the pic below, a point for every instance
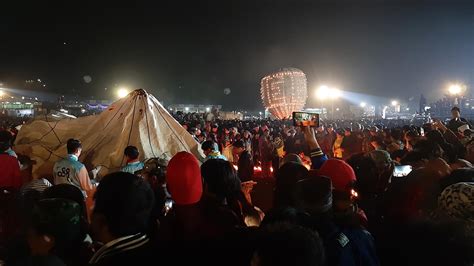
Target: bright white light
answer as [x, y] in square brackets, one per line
[260, 113]
[324, 92]
[186, 109]
[36, 98]
[408, 109]
[394, 103]
[83, 110]
[39, 80]
[363, 104]
[64, 111]
[1, 92]
[455, 89]
[334, 93]
[208, 109]
[122, 92]
[337, 109]
[467, 104]
[22, 97]
[171, 109]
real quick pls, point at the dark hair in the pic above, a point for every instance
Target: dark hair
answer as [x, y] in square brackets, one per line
[126, 201]
[131, 152]
[5, 140]
[285, 179]
[73, 145]
[239, 144]
[207, 145]
[457, 176]
[5, 136]
[428, 149]
[455, 108]
[67, 191]
[221, 178]
[286, 244]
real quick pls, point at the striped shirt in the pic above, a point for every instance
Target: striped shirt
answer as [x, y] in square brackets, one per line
[38, 185]
[119, 245]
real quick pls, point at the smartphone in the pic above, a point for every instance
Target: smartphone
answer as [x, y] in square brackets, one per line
[304, 119]
[402, 170]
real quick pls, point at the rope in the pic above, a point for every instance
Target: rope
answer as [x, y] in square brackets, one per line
[131, 127]
[145, 104]
[169, 126]
[97, 142]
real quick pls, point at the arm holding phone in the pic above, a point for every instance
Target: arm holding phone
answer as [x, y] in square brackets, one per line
[316, 154]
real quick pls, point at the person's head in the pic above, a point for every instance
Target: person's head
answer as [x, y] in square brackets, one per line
[347, 132]
[194, 131]
[455, 112]
[208, 147]
[183, 178]
[373, 131]
[131, 153]
[314, 195]
[220, 179]
[69, 192]
[285, 179]
[286, 244]
[342, 175]
[154, 172]
[340, 133]
[457, 202]
[202, 137]
[266, 132]
[291, 133]
[457, 176]
[247, 134]
[377, 142]
[438, 167]
[330, 128]
[5, 140]
[55, 227]
[291, 157]
[122, 206]
[428, 149]
[74, 147]
[238, 147]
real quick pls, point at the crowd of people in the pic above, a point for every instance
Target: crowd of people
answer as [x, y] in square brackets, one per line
[344, 193]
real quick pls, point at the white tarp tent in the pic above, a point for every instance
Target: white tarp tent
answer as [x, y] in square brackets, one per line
[138, 120]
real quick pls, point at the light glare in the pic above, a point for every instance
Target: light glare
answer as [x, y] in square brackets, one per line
[122, 92]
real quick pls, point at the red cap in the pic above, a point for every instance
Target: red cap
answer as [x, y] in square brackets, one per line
[342, 175]
[183, 178]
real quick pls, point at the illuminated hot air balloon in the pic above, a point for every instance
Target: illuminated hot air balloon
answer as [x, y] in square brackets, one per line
[284, 91]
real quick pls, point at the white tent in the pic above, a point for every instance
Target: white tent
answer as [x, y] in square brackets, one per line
[138, 120]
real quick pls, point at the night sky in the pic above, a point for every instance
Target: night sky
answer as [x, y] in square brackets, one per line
[190, 51]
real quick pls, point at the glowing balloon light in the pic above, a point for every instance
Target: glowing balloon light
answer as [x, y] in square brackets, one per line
[122, 92]
[284, 92]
